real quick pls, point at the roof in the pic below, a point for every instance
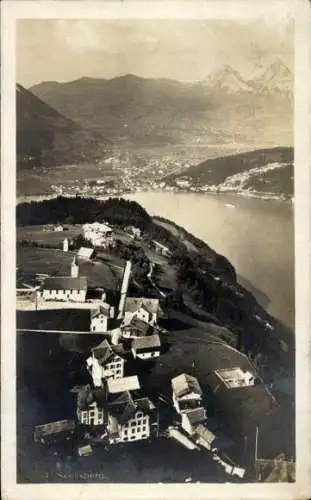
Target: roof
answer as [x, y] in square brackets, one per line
[204, 433]
[77, 320]
[215, 440]
[150, 342]
[54, 428]
[85, 396]
[85, 253]
[105, 310]
[121, 406]
[123, 384]
[196, 415]
[132, 304]
[65, 283]
[144, 404]
[184, 384]
[103, 352]
[141, 326]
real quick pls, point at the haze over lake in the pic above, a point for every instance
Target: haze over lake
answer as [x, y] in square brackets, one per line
[257, 236]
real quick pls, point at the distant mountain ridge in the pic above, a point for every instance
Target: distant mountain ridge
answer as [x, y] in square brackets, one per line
[222, 108]
[266, 171]
[46, 137]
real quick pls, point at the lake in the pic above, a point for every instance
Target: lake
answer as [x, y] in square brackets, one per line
[257, 236]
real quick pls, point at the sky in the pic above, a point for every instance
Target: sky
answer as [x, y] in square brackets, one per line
[185, 50]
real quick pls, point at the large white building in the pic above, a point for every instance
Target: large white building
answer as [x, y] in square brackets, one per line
[101, 317]
[105, 362]
[98, 234]
[64, 289]
[142, 308]
[146, 347]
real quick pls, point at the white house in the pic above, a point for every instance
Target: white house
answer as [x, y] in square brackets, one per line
[115, 386]
[234, 378]
[101, 317]
[191, 419]
[159, 248]
[64, 289]
[58, 228]
[105, 362]
[98, 234]
[129, 420]
[85, 253]
[143, 308]
[187, 393]
[146, 347]
[91, 415]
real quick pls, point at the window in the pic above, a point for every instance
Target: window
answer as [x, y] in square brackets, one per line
[144, 428]
[125, 432]
[139, 414]
[138, 429]
[133, 431]
[125, 438]
[133, 424]
[139, 421]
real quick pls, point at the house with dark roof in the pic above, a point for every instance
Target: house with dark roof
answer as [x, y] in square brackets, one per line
[146, 347]
[187, 393]
[191, 418]
[145, 309]
[105, 362]
[135, 328]
[64, 288]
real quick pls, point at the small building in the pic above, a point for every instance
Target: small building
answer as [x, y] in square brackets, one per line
[129, 420]
[97, 233]
[234, 378]
[85, 253]
[135, 232]
[85, 451]
[105, 362]
[64, 288]
[187, 393]
[101, 318]
[90, 405]
[135, 328]
[58, 228]
[50, 430]
[213, 441]
[65, 245]
[146, 347]
[161, 249]
[174, 433]
[191, 419]
[144, 309]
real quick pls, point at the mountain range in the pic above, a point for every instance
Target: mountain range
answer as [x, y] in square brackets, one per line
[222, 108]
[46, 137]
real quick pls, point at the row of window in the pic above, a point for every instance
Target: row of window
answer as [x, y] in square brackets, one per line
[132, 438]
[135, 430]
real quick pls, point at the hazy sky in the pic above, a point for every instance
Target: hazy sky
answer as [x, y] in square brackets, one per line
[65, 50]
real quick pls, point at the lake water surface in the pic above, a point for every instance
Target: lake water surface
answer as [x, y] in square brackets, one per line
[257, 236]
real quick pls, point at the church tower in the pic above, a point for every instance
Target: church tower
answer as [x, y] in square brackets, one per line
[74, 268]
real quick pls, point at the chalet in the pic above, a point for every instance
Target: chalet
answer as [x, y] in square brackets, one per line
[135, 232]
[105, 362]
[64, 288]
[191, 419]
[187, 393]
[47, 431]
[101, 318]
[146, 347]
[135, 328]
[128, 419]
[161, 249]
[143, 308]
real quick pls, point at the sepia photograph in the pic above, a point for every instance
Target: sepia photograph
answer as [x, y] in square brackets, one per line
[155, 250]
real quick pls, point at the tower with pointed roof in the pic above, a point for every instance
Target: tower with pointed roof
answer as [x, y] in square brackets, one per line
[74, 268]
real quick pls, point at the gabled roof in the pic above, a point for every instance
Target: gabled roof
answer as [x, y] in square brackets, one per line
[196, 415]
[103, 352]
[102, 309]
[204, 433]
[123, 384]
[145, 343]
[121, 406]
[185, 384]
[132, 304]
[141, 326]
[65, 283]
[144, 404]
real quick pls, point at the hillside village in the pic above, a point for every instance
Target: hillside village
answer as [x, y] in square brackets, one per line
[114, 407]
